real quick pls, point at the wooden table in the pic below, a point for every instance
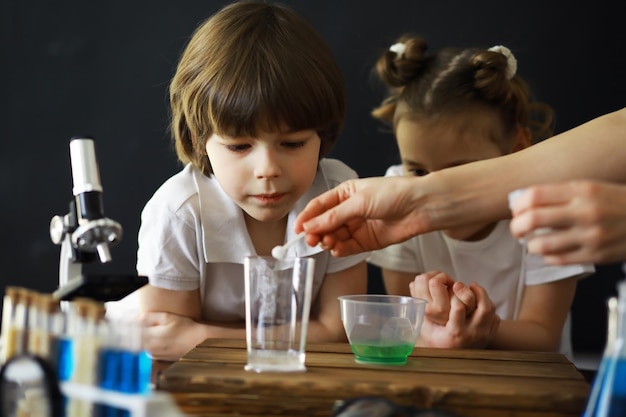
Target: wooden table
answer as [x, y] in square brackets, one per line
[210, 381]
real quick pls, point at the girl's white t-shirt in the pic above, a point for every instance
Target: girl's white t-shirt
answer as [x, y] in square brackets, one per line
[498, 263]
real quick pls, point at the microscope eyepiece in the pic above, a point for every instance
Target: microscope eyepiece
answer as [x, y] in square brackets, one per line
[95, 233]
[86, 178]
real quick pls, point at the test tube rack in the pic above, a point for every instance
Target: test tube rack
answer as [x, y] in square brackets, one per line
[154, 404]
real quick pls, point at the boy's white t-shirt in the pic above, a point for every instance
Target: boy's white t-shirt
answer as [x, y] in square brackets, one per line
[498, 263]
[193, 236]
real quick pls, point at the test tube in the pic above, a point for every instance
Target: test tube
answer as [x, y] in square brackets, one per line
[17, 336]
[110, 367]
[85, 347]
[50, 327]
[33, 325]
[9, 334]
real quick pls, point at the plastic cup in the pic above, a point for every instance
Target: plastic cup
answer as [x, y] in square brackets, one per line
[514, 195]
[382, 329]
[278, 302]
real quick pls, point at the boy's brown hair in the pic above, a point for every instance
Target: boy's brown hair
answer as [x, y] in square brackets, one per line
[249, 67]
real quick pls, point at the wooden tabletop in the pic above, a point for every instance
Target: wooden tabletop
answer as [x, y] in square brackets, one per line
[210, 381]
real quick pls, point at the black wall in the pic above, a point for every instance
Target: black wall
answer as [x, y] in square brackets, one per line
[102, 68]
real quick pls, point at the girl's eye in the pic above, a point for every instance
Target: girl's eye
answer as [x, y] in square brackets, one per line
[237, 148]
[418, 172]
[294, 145]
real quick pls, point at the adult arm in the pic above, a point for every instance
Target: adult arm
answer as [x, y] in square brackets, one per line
[372, 213]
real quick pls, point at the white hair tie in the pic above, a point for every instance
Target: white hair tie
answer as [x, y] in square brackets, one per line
[511, 62]
[398, 49]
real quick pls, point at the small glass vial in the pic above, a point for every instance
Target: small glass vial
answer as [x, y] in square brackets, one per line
[15, 338]
[46, 328]
[10, 333]
[85, 349]
[136, 364]
[34, 327]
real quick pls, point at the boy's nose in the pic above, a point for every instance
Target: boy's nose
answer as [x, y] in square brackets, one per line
[267, 165]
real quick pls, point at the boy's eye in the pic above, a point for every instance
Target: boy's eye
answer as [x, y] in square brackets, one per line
[294, 145]
[237, 148]
[418, 172]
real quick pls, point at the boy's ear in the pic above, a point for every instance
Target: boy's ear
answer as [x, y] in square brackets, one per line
[522, 140]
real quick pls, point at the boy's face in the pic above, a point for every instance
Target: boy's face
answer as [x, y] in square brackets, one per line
[265, 175]
[428, 146]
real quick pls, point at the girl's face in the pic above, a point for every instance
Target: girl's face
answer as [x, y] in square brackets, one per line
[265, 175]
[431, 145]
[428, 146]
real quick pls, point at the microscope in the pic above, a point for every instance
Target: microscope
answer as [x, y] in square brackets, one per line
[86, 234]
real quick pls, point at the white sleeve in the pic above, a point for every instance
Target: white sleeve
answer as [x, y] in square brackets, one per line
[168, 248]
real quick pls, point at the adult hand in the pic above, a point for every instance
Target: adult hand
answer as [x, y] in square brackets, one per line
[363, 214]
[587, 218]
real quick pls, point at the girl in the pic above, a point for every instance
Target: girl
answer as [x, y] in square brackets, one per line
[447, 109]
[257, 101]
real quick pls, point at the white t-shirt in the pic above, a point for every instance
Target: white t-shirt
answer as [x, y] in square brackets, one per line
[193, 235]
[498, 263]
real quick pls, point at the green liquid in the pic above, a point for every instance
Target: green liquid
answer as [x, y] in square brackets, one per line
[374, 352]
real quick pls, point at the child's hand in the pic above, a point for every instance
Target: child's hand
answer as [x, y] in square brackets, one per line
[169, 336]
[438, 289]
[475, 330]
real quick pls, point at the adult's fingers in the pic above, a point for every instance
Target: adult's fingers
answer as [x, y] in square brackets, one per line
[335, 238]
[330, 210]
[315, 208]
[584, 254]
[543, 220]
[542, 195]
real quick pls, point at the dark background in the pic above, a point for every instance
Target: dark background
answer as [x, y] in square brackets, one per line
[102, 68]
